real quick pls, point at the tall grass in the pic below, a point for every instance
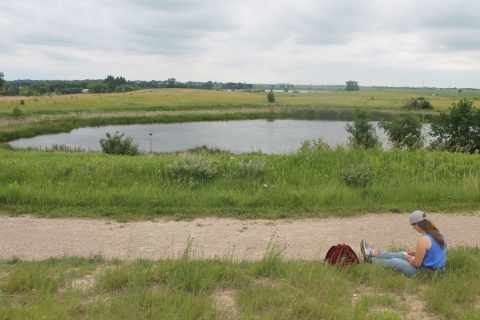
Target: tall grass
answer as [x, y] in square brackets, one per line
[192, 99]
[195, 288]
[310, 182]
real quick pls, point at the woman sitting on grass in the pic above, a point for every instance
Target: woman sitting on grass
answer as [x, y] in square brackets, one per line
[430, 253]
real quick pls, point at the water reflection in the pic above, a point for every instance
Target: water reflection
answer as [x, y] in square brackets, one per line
[279, 136]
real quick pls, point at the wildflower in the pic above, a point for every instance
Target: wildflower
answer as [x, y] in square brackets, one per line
[374, 277]
[265, 185]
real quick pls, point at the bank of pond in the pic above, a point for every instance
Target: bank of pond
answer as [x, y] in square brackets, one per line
[316, 180]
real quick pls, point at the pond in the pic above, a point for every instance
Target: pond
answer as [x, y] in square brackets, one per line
[279, 136]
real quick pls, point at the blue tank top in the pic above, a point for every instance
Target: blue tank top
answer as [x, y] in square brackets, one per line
[436, 256]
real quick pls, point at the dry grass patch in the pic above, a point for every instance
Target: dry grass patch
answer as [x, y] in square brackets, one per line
[225, 300]
[404, 301]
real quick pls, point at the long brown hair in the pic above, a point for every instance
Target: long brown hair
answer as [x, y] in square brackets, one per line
[428, 227]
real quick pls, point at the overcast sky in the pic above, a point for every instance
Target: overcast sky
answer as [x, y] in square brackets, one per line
[375, 42]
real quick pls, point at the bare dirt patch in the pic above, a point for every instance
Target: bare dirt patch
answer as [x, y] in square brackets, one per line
[416, 308]
[225, 300]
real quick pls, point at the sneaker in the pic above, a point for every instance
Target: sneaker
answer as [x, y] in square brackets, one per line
[367, 251]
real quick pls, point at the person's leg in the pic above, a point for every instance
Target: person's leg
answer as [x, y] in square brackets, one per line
[400, 265]
[389, 255]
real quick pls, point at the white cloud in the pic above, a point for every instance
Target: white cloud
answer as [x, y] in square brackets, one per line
[254, 41]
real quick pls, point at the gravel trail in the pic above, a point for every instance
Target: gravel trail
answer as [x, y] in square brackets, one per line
[31, 238]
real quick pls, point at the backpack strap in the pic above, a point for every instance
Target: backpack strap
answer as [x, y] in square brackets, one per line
[329, 253]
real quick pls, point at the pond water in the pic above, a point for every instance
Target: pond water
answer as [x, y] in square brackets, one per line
[295, 91]
[279, 136]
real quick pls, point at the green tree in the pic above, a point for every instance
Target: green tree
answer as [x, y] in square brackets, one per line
[44, 88]
[12, 90]
[363, 133]
[271, 97]
[26, 91]
[110, 82]
[116, 145]
[120, 80]
[207, 85]
[96, 87]
[124, 88]
[2, 82]
[171, 82]
[352, 86]
[404, 131]
[458, 130]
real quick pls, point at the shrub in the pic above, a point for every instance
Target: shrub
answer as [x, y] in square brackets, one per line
[17, 112]
[205, 149]
[363, 133]
[115, 145]
[271, 97]
[357, 176]
[252, 167]
[404, 131]
[352, 86]
[193, 167]
[419, 103]
[458, 130]
[310, 146]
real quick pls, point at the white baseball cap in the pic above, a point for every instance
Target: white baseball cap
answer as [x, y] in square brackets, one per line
[416, 216]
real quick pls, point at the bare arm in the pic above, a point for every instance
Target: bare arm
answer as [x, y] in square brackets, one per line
[423, 244]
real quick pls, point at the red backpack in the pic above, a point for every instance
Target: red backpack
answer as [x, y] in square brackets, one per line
[341, 255]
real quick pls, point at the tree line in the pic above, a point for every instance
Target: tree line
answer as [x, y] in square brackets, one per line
[107, 85]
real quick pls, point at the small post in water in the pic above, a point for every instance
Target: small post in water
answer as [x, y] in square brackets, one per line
[150, 134]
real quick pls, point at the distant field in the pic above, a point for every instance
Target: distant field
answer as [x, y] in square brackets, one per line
[193, 99]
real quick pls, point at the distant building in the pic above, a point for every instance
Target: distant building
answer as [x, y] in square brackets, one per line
[85, 91]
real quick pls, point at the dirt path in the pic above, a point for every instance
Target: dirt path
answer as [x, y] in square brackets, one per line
[29, 237]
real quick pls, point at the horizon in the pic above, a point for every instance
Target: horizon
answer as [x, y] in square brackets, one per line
[258, 84]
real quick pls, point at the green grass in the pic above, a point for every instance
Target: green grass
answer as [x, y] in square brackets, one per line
[272, 288]
[304, 184]
[192, 99]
